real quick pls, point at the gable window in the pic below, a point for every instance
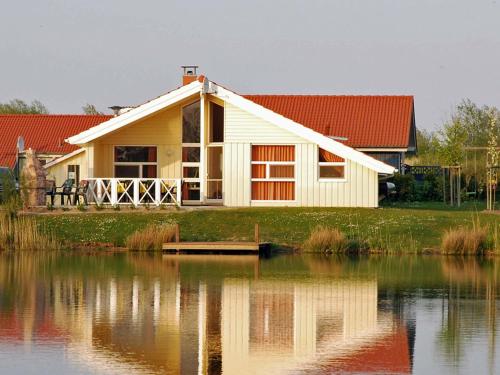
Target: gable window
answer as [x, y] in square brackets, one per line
[273, 172]
[135, 161]
[191, 123]
[331, 166]
[216, 123]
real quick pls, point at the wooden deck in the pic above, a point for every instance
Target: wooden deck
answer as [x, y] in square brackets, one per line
[217, 246]
[212, 246]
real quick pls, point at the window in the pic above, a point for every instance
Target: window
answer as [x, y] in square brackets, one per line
[191, 152]
[331, 166]
[391, 158]
[214, 172]
[191, 123]
[216, 123]
[273, 172]
[135, 161]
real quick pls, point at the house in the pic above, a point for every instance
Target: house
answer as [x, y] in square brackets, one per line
[43, 133]
[204, 144]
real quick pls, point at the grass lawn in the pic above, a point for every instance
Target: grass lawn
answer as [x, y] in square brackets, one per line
[409, 228]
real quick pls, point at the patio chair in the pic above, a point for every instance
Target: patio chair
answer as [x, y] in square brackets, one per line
[81, 191]
[50, 190]
[66, 190]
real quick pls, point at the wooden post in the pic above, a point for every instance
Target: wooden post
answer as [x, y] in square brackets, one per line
[177, 236]
[177, 233]
[256, 234]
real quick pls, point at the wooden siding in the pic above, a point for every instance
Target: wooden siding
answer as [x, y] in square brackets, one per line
[243, 127]
[162, 130]
[358, 189]
[59, 171]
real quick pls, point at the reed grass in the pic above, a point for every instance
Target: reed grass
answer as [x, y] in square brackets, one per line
[23, 233]
[465, 241]
[151, 237]
[326, 240]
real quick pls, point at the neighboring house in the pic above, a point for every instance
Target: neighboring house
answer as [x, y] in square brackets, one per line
[204, 144]
[43, 133]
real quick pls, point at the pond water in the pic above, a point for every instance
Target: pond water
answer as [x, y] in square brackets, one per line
[66, 313]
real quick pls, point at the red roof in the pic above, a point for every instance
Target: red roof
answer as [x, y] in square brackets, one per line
[366, 121]
[42, 133]
[390, 355]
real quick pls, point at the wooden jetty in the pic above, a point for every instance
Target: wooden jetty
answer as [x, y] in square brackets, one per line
[218, 246]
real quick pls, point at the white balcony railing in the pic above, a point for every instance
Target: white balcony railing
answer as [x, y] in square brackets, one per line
[134, 191]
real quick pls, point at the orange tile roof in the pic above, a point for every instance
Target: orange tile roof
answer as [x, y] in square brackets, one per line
[366, 121]
[42, 133]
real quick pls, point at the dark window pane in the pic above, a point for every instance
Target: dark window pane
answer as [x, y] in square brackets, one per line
[191, 191]
[391, 158]
[216, 123]
[127, 171]
[214, 189]
[190, 172]
[149, 171]
[191, 123]
[331, 171]
[191, 154]
[135, 154]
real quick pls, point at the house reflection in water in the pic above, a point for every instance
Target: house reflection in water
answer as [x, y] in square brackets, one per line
[170, 322]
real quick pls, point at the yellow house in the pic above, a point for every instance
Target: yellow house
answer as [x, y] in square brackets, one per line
[204, 144]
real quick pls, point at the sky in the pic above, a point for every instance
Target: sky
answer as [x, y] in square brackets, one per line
[67, 53]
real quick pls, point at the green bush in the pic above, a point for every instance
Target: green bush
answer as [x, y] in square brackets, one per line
[432, 188]
[405, 187]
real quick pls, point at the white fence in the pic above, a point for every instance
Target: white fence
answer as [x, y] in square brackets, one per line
[134, 191]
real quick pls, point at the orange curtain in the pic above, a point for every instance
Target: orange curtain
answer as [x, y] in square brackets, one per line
[325, 156]
[281, 171]
[151, 154]
[276, 191]
[273, 153]
[258, 171]
[185, 191]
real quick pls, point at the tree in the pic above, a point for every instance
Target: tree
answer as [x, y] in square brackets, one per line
[90, 109]
[18, 106]
[454, 138]
[428, 148]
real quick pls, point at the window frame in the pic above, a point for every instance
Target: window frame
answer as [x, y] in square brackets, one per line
[134, 163]
[268, 179]
[330, 164]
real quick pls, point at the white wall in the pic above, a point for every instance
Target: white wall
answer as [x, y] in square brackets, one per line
[243, 129]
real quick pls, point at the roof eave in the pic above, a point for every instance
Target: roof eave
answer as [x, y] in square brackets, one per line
[135, 114]
[304, 132]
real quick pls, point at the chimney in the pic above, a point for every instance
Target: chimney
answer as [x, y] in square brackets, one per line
[190, 74]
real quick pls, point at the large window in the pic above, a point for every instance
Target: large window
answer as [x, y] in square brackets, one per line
[273, 172]
[191, 152]
[191, 123]
[135, 161]
[216, 123]
[331, 166]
